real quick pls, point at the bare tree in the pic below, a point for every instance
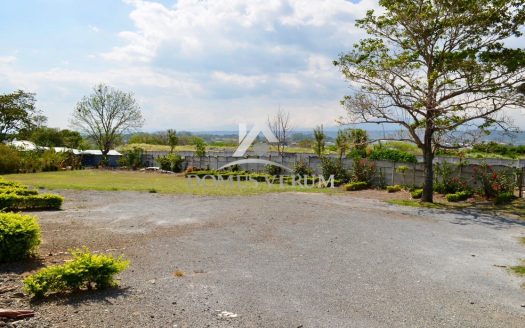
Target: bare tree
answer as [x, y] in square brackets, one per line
[281, 127]
[106, 114]
[436, 68]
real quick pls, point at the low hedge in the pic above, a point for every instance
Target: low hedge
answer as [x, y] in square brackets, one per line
[86, 270]
[394, 188]
[416, 194]
[19, 236]
[360, 185]
[459, 196]
[21, 191]
[504, 198]
[30, 202]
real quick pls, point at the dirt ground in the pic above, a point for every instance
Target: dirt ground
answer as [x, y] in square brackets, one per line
[279, 260]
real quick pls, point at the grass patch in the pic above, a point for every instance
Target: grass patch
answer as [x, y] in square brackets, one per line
[416, 203]
[518, 269]
[140, 181]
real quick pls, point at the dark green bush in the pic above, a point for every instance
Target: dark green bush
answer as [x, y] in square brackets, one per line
[9, 159]
[332, 166]
[132, 158]
[171, 162]
[19, 236]
[86, 270]
[394, 188]
[459, 196]
[394, 155]
[504, 198]
[30, 202]
[273, 169]
[416, 194]
[301, 168]
[358, 185]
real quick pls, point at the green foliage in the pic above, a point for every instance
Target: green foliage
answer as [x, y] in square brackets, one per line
[394, 188]
[51, 137]
[504, 198]
[9, 159]
[357, 185]
[301, 168]
[394, 155]
[19, 236]
[86, 270]
[459, 196]
[330, 166]
[148, 138]
[363, 170]
[200, 147]
[132, 158]
[17, 112]
[416, 194]
[494, 182]
[173, 140]
[170, 162]
[447, 179]
[512, 151]
[30, 202]
[319, 141]
[273, 169]
[17, 191]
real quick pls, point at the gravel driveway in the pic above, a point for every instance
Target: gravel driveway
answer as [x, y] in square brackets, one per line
[285, 260]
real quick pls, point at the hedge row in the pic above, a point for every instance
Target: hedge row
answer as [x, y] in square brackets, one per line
[19, 236]
[30, 202]
[21, 191]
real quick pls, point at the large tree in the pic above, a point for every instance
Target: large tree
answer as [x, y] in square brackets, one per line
[106, 114]
[17, 113]
[434, 68]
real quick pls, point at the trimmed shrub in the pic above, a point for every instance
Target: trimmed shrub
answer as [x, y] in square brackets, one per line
[416, 194]
[86, 270]
[459, 196]
[170, 162]
[394, 188]
[394, 155]
[18, 191]
[358, 185]
[30, 202]
[504, 198]
[19, 236]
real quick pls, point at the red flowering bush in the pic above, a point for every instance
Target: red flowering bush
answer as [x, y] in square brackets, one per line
[493, 182]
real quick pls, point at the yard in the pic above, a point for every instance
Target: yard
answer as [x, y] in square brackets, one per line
[266, 259]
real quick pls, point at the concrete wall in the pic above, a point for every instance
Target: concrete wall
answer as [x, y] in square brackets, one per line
[386, 170]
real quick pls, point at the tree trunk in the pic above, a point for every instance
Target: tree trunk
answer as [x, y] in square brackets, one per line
[428, 187]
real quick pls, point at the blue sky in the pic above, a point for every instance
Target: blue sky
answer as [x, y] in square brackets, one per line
[192, 64]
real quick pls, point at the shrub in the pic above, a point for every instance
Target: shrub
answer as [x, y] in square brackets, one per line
[394, 155]
[273, 169]
[9, 159]
[357, 185]
[459, 196]
[504, 198]
[394, 188]
[301, 168]
[493, 182]
[30, 202]
[18, 191]
[52, 161]
[363, 170]
[86, 270]
[132, 158]
[19, 236]
[171, 162]
[416, 194]
[334, 167]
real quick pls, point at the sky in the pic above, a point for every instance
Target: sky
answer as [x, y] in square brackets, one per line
[191, 64]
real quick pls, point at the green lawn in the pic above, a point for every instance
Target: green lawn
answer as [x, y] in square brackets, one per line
[152, 182]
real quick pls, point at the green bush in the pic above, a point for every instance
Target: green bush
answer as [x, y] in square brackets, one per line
[504, 198]
[394, 155]
[358, 185]
[459, 196]
[416, 194]
[30, 202]
[273, 169]
[363, 170]
[19, 236]
[86, 270]
[18, 191]
[171, 162]
[394, 188]
[332, 166]
[9, 159]
[301, 168]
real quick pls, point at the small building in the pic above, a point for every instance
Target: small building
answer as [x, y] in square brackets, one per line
[94, 157]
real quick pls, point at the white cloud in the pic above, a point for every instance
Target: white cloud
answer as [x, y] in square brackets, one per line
[94, 28]
[7, 60]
